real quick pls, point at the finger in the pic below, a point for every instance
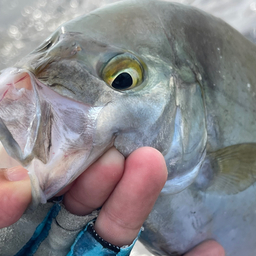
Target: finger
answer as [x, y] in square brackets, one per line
[123, 214]
[15, 194]
[207, 248]
[94, 186]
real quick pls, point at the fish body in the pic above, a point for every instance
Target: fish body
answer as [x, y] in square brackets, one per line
[145, 73]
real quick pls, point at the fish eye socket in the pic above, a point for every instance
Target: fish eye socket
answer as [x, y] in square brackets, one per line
[123, 72]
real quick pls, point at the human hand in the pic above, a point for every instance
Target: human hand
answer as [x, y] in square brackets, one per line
[123, 190]
[15, 194]
[126, 189]
[120, 186]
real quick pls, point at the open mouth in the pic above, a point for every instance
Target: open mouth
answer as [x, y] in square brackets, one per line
[49, 134]
[18, 110]
[18, 81]
[15, 81]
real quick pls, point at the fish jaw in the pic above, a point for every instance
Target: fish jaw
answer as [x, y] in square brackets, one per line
[15, 93]
[50, 135]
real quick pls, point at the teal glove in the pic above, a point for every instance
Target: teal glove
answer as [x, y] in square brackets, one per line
[55, 231]
[89, 243]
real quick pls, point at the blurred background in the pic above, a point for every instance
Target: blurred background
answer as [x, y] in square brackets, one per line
[24, 24]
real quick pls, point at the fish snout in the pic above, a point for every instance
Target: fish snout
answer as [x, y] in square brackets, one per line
[13, 83]
[22, 80]
[18, 108]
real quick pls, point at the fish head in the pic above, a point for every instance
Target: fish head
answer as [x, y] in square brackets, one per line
[108, 78]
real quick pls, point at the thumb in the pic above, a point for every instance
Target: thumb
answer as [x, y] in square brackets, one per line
[15, 194]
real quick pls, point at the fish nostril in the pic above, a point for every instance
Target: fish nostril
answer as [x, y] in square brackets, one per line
[23, 81]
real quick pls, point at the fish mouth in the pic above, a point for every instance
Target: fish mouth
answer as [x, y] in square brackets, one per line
[17, 109]
[52, 136]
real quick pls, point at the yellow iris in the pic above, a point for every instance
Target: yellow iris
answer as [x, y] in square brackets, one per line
[123, 72]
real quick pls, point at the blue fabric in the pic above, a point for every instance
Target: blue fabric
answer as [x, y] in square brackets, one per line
[86, 245]
[40, 233]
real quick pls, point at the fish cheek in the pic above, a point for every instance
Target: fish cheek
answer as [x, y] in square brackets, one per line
[116, 124]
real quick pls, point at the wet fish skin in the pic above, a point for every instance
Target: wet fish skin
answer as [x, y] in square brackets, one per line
[196, 105]
[54, 67]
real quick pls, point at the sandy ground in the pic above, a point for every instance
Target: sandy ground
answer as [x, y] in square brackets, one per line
[139, 250]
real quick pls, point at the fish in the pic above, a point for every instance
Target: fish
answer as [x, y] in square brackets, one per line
[144, 73]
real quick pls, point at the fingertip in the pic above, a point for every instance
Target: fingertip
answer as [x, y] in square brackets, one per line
[93, 187]
[110, 166]
[112, 156]
[152, 162]
[16, 173]
[209, 248]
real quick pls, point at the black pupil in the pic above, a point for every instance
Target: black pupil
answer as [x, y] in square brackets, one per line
[122, 81]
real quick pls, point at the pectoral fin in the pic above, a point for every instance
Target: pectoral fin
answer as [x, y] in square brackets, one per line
[234, 168]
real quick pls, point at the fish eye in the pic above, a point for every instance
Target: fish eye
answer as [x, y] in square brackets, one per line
[123, 72]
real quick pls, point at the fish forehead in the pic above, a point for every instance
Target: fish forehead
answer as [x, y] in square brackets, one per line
[131, 25]
[126, 26]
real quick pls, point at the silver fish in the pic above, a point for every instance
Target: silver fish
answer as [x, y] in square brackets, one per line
[144, 73]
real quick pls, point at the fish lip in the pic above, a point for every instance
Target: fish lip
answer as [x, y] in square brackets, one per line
[62, 165]
[14, 84]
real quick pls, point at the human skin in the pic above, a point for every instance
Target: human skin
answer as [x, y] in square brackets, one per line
[125, 188]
